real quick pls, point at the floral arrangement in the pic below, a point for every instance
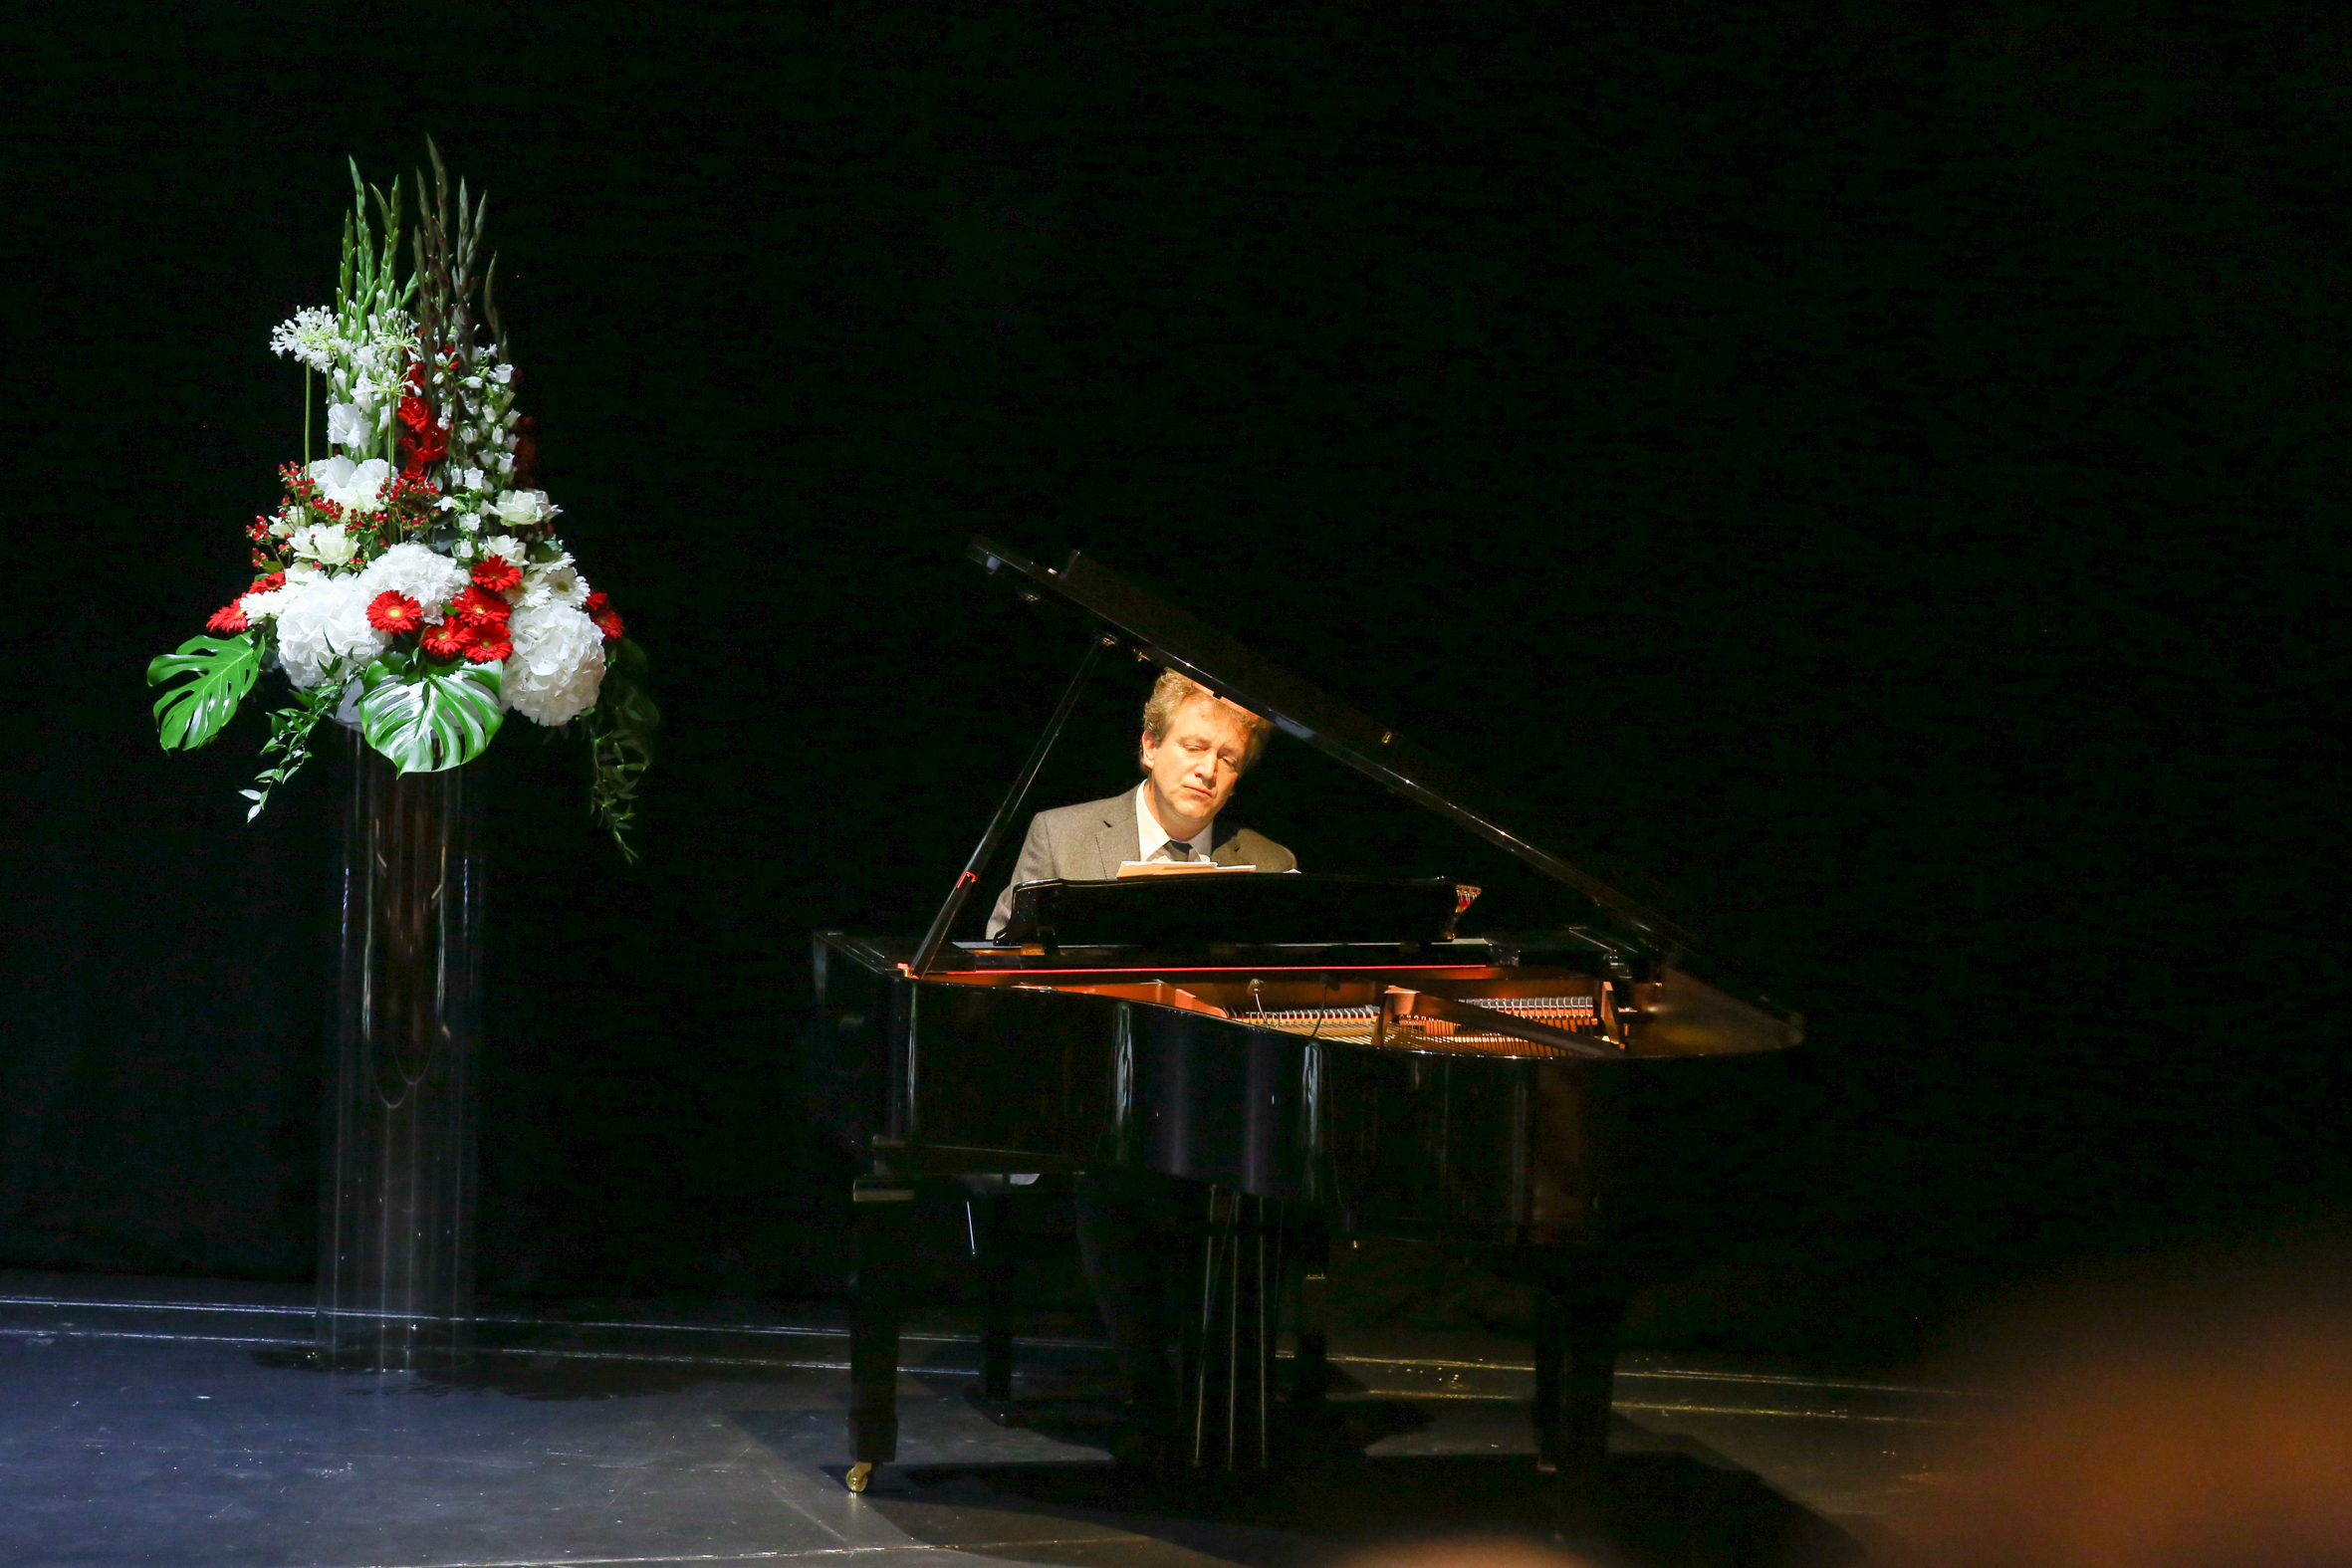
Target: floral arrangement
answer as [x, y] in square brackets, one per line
[411, 583]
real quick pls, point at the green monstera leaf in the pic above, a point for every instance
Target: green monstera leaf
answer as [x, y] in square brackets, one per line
[426, 717]
[190, 714]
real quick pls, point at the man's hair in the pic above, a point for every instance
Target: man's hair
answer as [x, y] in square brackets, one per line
[1172, 691]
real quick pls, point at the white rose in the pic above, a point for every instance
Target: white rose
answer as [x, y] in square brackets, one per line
[355, 487]
[329, 543]
[524, 508]
[513, 550]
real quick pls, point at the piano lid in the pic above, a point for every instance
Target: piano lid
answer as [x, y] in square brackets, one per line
[1173, 638]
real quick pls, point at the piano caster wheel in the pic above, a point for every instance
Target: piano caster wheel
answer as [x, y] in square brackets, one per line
[859, 1473]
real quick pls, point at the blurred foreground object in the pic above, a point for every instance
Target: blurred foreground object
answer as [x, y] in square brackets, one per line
[2200, 1427]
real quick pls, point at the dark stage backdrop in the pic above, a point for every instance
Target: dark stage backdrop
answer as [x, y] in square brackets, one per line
[1874, 486]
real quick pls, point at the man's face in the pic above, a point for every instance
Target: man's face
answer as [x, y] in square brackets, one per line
[1195, 766]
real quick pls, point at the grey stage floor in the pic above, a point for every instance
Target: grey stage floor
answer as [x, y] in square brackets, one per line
[145, 1421]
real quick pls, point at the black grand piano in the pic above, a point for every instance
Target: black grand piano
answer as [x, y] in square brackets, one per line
[1578, 1108]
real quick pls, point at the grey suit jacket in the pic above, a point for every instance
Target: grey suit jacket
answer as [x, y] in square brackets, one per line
[1088, 843]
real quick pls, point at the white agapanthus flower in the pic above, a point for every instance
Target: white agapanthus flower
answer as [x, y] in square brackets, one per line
[417, 572]
[524, 508]
[322, 620]
[309, 336]
[558, 664]
[355, 487]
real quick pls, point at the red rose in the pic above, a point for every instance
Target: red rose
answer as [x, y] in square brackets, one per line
[269, 584]
[229, 618]
[445, 641]
[481, 612]
[599, 609]
[394, 612]
[496, 575]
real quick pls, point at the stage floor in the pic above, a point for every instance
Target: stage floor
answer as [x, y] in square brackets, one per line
[160, 1422]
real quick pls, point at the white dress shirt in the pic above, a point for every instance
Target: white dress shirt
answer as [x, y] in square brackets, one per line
[1150, 837]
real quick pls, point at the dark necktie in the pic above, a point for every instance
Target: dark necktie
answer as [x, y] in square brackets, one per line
[1176, 850]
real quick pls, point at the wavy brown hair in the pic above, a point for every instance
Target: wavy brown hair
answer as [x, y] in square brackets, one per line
[1172, 691]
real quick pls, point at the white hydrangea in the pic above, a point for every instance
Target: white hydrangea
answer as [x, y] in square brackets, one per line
[355, 487]
[321, 620]
[558, 664]
[412, 568]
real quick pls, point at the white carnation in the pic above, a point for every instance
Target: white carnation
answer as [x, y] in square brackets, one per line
[348, 426]
[557, 666]
[355, 487]
[412, 568]
[321, 620]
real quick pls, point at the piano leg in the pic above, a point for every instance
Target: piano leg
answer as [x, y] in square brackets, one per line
[990, 1219]
[1576, 1360]
[1311, 1364]
[880, 1220]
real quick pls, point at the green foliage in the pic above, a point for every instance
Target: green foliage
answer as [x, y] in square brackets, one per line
[426, 716]
[620, 740]
[224, 668]
[289, 738]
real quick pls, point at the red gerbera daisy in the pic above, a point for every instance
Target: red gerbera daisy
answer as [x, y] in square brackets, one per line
[486, 651]
[269, 584]
[445, 641]
[496, 575]
[229, 618]
[394, 612]
[482, 611]
[599, 609]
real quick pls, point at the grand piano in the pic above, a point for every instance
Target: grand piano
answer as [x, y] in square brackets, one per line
[1582, 1108]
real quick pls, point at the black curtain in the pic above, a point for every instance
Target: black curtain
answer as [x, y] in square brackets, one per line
[1873, 479]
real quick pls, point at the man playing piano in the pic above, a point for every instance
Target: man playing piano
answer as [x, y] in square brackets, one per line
[1194, 749]
[1137, 1231]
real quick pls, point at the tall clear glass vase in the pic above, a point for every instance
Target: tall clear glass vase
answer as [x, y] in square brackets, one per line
[396, 1217]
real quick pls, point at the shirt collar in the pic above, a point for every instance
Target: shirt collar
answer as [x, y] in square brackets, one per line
[1149, 837]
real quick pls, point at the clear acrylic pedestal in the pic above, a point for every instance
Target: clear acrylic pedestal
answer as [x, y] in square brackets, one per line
[397, 1210]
